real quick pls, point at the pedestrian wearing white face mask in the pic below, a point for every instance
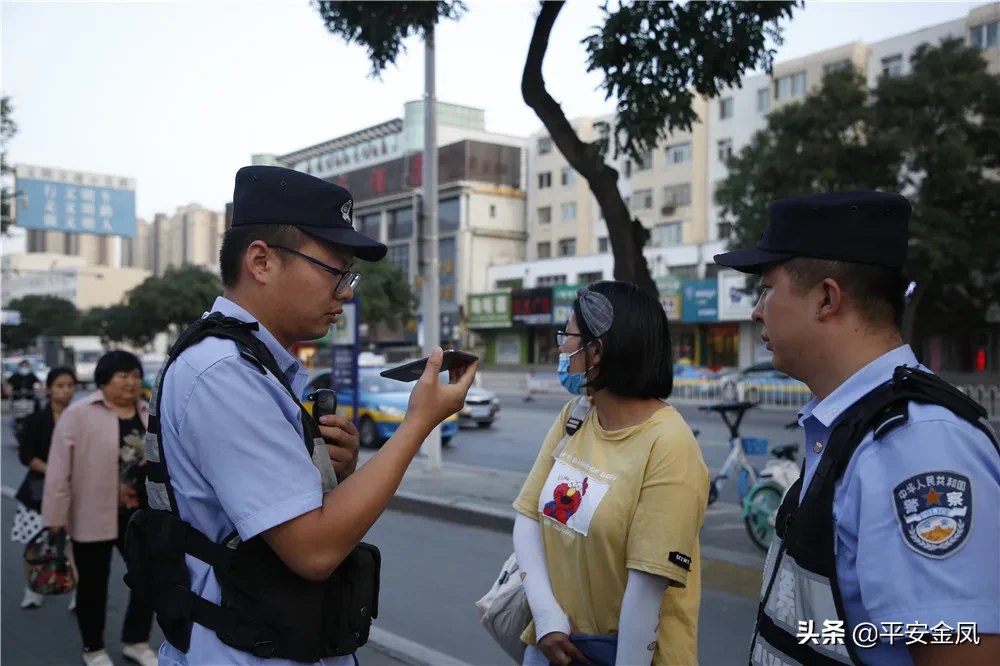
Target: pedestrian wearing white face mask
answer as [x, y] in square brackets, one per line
[607, 531]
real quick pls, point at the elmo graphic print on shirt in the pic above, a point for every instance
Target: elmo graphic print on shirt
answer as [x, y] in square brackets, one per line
[566, 500]
[570, 497]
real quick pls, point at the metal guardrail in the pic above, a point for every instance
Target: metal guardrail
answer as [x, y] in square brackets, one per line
[987, 395]
[777, 396]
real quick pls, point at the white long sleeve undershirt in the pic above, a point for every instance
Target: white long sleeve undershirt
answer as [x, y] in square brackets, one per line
[639, 619]
[530, 552]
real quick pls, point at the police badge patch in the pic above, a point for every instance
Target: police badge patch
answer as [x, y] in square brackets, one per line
[345, 212]
[934, 511]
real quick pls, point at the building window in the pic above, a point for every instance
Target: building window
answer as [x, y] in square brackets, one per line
[677, 195]
[544, 250]
[449, 215]
[544, 180]
[369, 224]
[545, 145]
[493, 210]
[567, 247]
[984, 35]
[569, 211]
[509, 284]
[679, 153]
[400, 223]
[665, 234]
[836, 66]
[643, 199]
[725, 230]
[726, 108]
[646, 162]
[893, 65]
[764, 100]
[568, 176]
[725, 149]
[589, 278]
[544, 214]
[789, 86]
[602, 245]
[551, 280]
[399, 255]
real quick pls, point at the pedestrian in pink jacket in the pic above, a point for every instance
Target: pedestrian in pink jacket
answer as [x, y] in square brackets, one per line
[93, 484]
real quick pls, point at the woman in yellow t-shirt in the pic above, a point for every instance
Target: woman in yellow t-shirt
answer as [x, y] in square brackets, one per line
[607, 531]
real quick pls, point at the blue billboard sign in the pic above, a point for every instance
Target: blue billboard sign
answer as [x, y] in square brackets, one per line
[76, 207]
[700, 300]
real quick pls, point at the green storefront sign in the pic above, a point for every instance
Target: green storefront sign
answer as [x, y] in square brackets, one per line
[563, 296]
[490, 310]
[669, 287]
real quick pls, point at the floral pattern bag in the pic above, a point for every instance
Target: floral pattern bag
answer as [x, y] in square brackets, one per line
[47, 566]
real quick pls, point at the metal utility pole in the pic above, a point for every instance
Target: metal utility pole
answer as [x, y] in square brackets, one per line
[431, 293]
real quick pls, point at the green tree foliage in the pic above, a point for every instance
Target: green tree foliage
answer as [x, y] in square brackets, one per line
[8, 129]
[386, 296]
[933, 135]
[40, 315]
[655, 57]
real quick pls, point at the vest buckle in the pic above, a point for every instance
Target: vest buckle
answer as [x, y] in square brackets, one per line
[263, 649]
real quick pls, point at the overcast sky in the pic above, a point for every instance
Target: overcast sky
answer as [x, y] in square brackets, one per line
[179, 95]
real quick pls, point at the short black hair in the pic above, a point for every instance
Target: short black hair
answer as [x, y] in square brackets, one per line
[236, 241]
[57, 372]
[114, 361]
[636, 354]
[878, 292]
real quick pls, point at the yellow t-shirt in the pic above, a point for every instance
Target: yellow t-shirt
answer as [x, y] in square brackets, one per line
[618, 500]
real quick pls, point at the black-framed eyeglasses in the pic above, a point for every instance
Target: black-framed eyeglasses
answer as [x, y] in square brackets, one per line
[563, 336]
[348, 278]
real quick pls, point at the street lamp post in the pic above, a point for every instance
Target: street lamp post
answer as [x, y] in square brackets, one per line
[431, 294]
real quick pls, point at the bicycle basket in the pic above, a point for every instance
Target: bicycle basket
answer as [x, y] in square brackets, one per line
[754, 446]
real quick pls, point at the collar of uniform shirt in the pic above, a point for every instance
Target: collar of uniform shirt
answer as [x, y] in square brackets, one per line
[288, 363]
[857, 386]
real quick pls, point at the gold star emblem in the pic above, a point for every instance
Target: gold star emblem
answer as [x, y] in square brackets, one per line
[932, 497]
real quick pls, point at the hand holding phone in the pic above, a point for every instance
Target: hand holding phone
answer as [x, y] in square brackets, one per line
[432, 401]
[412, 371]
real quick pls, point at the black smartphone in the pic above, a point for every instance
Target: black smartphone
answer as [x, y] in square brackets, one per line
[411, 372]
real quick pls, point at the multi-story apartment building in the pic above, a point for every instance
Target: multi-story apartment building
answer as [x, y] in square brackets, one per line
[665, 189]
[672, 192]
[191, 236]
[481, 199]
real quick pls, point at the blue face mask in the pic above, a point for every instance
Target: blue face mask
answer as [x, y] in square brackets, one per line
[571, 382]
[24, 372]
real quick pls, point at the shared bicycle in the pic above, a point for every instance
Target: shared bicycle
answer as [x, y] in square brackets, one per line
[761, 490]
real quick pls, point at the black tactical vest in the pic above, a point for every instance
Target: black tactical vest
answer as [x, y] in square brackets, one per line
[800, 575]
[267, 609]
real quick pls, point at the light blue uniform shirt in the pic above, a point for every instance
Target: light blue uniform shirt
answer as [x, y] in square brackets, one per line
[886, 571]
[234, 448]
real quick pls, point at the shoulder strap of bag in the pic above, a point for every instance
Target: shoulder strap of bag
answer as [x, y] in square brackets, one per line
[577, 416]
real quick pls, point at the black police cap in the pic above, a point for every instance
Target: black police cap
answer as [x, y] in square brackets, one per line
[859, 227]
[275, 195]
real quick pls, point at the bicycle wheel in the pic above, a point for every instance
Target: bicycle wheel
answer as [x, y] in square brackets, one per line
[764, 502]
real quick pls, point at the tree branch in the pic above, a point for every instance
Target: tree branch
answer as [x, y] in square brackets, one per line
[627, 235]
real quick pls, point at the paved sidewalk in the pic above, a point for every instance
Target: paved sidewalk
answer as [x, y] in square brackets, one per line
[483, 497]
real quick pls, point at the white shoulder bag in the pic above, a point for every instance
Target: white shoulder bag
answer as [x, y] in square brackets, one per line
[504, 611]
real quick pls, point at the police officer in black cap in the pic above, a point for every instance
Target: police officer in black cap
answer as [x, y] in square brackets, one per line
[251, 547]
[885, 551]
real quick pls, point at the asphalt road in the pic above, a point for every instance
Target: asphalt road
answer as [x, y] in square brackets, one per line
[433, 572]
[513, 440]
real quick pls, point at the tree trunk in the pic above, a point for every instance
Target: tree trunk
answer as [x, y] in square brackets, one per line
[910, 313]
[627, 235]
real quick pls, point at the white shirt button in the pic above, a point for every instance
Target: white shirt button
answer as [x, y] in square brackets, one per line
[817, 447]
